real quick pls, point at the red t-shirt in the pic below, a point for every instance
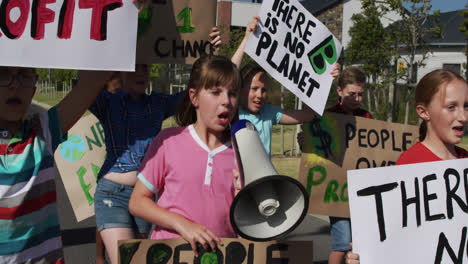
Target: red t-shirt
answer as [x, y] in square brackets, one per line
[420, 153]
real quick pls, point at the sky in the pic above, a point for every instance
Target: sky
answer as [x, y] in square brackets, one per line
[448, 5]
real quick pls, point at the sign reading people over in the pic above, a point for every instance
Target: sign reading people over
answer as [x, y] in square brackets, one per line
[296, 49]
[79, 160]
[73, 34]
[415, 213]
[336, 143]
[234, 251]
[175, 31]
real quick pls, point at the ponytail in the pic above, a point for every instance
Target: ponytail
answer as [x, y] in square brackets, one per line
[422, 131]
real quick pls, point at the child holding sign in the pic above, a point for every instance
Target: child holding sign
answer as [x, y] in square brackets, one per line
[30, 230]
[254, 93]
[131, 119]
[350, 90]
[191, 167]
[442, 103]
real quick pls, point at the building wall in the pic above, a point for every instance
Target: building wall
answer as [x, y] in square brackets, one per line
[332, 18]
[242, 13]
[439, 57]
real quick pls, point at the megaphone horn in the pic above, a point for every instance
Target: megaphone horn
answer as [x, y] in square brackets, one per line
[269, 205]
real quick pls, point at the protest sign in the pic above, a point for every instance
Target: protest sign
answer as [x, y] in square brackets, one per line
[81, 34]
[296, 49]
[234, 251]
[175, 31]
[79, 160]
[415, 213]
[336, 143]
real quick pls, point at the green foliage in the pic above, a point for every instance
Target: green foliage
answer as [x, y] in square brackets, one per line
[56, 76]
[464, 28]
[235, 38]
[370, 43]
[145, 18]
[157, 69]
[371, 47]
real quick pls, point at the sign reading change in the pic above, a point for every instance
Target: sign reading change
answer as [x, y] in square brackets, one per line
[234, 251]
[336, 143]
[73, 34]
[415, 213]
[296, 49]
[175, 31]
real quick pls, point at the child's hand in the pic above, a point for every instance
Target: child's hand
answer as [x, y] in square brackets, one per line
[215, 38]
[236, 181]
[141, 4]
[252, 26]
[351, 257]
[195, 233]
[336, 71]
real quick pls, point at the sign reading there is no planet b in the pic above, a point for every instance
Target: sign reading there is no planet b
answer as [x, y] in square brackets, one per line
[296, 49]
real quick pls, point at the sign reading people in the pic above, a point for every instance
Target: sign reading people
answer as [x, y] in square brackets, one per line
[234, 251]
[336, 143]
[73, 34]
[174, 31]
[296, 49]
[79, 160]
[415, 213]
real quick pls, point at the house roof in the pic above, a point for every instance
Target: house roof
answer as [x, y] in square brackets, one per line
[450, 22]
[451, 35]
[317, 6]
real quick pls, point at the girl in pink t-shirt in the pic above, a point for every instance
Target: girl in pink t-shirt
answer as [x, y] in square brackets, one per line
[442, 103]
[191, 167]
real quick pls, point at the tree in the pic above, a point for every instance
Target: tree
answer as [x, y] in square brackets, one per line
[464, 28]
[56, 76]
[411, 33]
[370, 46]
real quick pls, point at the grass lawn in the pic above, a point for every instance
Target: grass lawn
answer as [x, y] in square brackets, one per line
[40, 97]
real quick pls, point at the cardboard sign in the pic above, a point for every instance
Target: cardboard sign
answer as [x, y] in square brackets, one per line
[296, 49]
[176, 31]
[336, 143]
[415, 213]
[234, 251]
[81, 34]
[79, 160]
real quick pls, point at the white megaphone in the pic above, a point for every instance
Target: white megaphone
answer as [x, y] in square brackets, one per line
[269, 205]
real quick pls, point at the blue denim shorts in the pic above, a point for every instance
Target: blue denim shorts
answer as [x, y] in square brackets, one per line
[111, 208]
[340, 229]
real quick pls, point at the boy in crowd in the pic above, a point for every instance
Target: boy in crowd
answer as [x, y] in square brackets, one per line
[29, 229]
[350, 89]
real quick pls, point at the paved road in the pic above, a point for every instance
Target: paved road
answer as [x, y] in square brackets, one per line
[79, 238]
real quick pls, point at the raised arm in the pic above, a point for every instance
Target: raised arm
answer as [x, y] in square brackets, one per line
[294, 117]
[239, 54]
[72, 107]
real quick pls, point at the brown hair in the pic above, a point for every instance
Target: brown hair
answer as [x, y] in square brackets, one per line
[428, 86]
[207, 72]
[249, 71]
[351, 75]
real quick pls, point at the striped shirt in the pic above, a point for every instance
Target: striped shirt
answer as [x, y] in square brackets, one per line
[29, 224]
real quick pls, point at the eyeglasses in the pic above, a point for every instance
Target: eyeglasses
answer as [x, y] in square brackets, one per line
[26, 79]
[325, 51]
